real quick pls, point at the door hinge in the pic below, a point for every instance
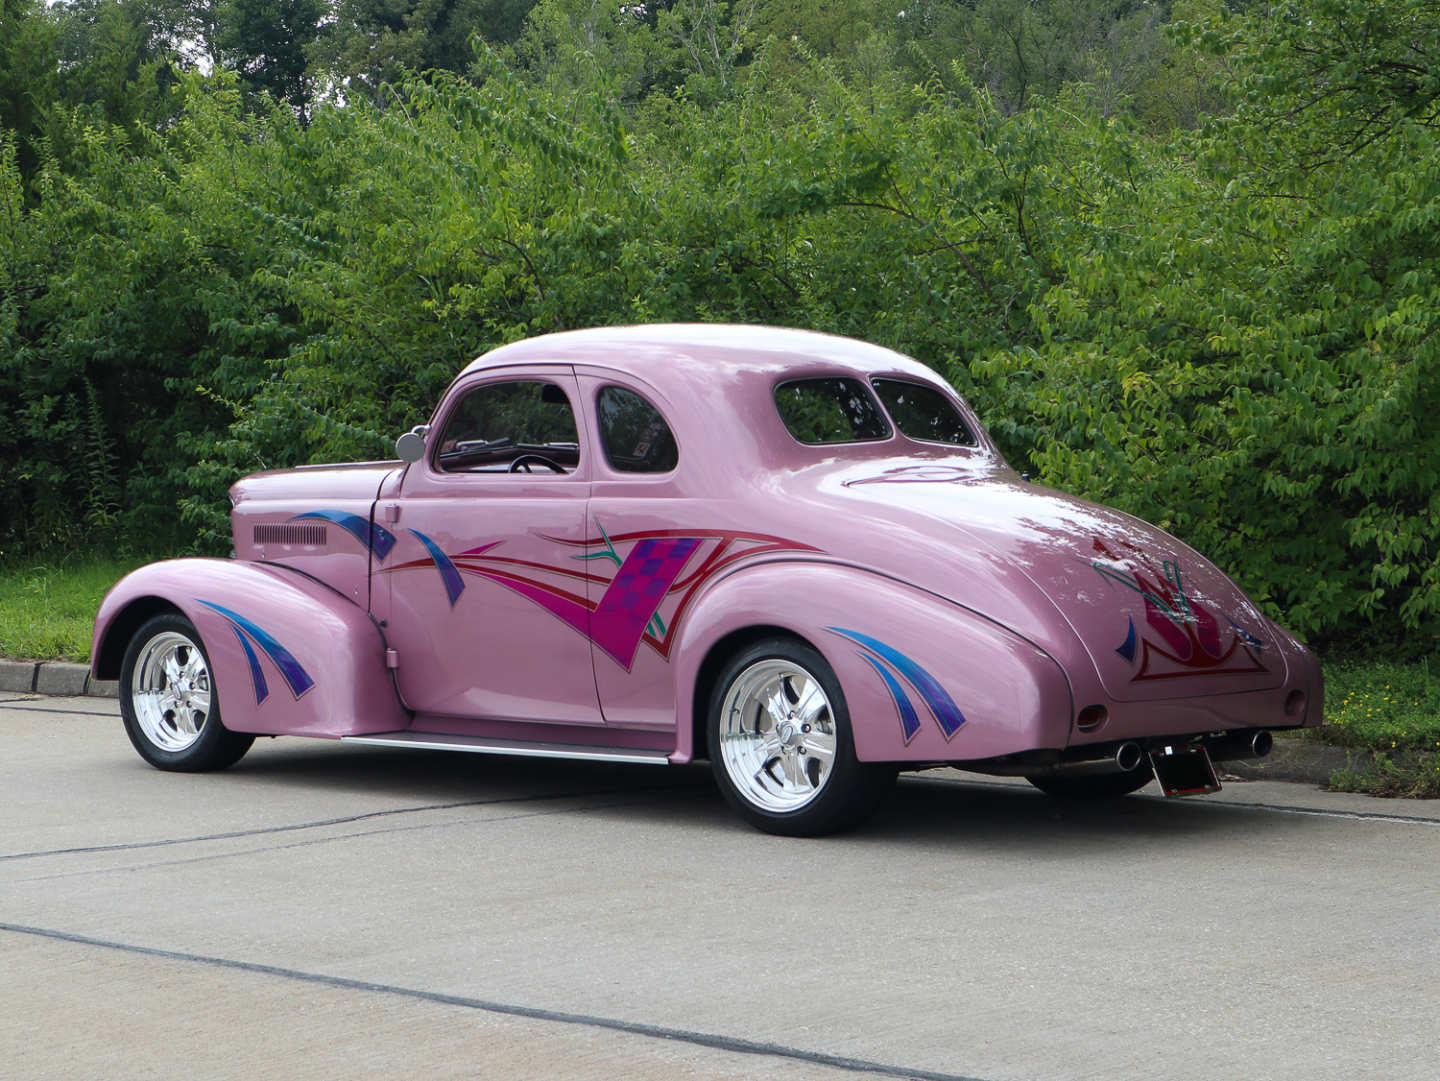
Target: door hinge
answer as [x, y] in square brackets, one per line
[392, 659]
[392, 512]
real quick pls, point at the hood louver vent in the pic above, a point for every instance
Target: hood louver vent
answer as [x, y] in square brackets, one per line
[310, 534]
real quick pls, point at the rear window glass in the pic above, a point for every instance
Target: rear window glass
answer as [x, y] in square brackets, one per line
[923, 413]
[834, 410]
[634, 434]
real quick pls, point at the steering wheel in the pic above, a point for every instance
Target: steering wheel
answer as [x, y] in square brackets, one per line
[523, 463]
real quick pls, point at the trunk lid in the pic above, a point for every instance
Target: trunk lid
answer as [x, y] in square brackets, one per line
[1157, 619]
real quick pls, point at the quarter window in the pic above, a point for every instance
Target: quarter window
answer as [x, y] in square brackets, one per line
[523, 426]
[923, 413]
[835, 410]
[634, 435]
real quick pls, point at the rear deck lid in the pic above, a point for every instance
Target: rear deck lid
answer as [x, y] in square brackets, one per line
[1157, 619]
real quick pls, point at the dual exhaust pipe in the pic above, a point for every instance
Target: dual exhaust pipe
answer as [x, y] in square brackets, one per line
[1130, 755]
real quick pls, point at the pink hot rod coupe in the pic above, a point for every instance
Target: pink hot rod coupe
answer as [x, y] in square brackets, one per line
[798, 555]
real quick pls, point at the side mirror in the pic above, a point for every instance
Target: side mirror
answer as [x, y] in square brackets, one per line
[410, 447]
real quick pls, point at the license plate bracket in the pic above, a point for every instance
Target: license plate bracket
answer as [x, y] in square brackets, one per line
[1184, 771]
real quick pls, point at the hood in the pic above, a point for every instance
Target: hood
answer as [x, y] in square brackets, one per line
[361, 480]
[1150, 611]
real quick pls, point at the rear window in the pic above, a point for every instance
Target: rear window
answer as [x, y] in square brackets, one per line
[923, 413]
[634, 434]
[835, 410]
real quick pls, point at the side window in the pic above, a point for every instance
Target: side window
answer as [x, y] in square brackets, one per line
[834, 410]
[525, 426]
[923, 413]
[634, 435]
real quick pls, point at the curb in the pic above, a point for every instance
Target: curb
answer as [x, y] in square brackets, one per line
[1293, 758]
[58, 678]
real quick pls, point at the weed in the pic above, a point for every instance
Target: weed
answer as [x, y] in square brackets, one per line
[1391, 710]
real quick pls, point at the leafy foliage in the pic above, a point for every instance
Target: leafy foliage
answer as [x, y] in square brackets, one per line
[1230, 331]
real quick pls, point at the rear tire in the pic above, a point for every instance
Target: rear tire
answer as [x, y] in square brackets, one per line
[169, 703]
[781, 746]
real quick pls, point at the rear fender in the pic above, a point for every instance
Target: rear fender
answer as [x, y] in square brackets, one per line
[925, 680]
[288, 655]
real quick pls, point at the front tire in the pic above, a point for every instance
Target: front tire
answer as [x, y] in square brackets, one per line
[781, 746]
[168, 700]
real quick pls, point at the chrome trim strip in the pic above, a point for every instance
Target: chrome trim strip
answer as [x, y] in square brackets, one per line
[479, 745]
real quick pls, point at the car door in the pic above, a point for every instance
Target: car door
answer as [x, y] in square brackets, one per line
[483, 595]
[644, 549]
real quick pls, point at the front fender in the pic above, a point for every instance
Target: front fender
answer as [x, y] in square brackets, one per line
[288, 655]
[925, 680]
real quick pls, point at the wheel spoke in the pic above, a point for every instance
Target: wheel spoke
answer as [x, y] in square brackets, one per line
[185, 721]
[195, 667]
[822, 752]
[811, 703]
[777, 706]
[794, 771]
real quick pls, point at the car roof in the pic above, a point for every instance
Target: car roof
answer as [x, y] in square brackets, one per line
[676, 353]
[715, 384]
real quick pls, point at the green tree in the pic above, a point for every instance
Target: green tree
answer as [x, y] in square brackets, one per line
[1247, 350]
[28, 37]
[118, 62]
[369, 43]
[267, 42]
[575, 48]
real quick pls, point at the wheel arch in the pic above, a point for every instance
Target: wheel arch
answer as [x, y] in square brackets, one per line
[250, 617]
[714, 662]
[114, 636]
[924, 679]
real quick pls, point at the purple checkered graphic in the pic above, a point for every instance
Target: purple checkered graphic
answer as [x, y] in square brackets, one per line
[634, 594]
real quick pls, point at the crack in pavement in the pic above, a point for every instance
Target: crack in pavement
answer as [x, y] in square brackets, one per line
[711, 1040]
[41, 705]
[322, 823]
[1320, 812]
[356, 835]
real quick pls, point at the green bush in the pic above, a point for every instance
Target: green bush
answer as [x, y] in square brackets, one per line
[1230, 332]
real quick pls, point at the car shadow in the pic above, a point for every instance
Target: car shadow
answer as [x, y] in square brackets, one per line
[450, 777]
[927, 809]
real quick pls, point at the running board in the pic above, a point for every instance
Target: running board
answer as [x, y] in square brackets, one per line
[440, 741]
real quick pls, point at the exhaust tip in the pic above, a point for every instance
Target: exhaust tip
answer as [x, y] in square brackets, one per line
[1261, 744]
[1128, 756]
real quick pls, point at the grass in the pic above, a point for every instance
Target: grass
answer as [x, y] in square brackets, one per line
[47, 608]
[1389, 713]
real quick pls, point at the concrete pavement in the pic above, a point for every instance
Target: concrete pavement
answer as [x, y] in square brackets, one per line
[335, 911]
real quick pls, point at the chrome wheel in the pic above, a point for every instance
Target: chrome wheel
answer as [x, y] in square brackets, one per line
[169, 702]
[777, 735]
[170, 691]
